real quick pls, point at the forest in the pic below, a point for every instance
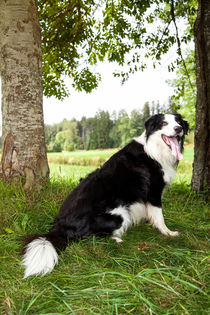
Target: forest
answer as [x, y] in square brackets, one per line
[102, 131]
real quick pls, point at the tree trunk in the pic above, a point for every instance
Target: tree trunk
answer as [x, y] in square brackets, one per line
[24, 150]
[201, 165]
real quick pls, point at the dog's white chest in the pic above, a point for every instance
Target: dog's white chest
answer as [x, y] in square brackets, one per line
[168, 174]
[137, 212]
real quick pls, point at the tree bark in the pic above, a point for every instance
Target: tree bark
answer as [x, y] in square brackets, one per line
[201, 164]
[24, 150]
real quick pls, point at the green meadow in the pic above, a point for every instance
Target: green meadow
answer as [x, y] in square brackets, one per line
[80, 163]
[81, 158]
[146, 274]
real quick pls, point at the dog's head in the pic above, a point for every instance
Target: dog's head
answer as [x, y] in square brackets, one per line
[170, 129]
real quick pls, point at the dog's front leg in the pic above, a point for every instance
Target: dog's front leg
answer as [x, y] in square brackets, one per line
[155, 217]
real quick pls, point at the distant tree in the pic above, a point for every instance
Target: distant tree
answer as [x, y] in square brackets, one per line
[115, 137]
[158, 110]
[103, 127]
[146, 111]
[124, 127]
[91, 135]
[83, 129]
[171, 107]
[153, 108]
[69, 139]
[61, 138]
[136, 123]
[55, 146]
[50, 134]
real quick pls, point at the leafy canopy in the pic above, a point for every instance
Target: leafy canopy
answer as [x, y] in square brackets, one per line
[78, 34]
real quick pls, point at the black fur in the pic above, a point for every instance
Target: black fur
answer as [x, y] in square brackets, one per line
[153, 124]
[185, 127]
[127, 177]
[130, 176]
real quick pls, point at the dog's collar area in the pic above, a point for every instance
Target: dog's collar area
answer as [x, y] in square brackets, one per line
[173, 144]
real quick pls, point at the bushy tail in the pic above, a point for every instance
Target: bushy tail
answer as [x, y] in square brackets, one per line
[40, 254]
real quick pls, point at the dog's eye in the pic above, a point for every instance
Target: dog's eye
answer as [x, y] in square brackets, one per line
[164, 123]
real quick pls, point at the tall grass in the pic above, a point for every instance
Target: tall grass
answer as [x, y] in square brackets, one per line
[81, 158]
[147, 274]
[70, 171]
[94, 158]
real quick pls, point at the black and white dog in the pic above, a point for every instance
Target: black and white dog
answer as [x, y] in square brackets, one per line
[125, 190]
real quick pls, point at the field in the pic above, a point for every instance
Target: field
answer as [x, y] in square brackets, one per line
[81, 158]
[78, 164]
[147, 274]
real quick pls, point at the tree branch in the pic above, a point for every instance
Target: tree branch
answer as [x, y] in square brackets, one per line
[60, 18]
[179, 44]
[164, 32]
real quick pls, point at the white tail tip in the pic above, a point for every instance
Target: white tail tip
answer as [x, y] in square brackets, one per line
[40, 257]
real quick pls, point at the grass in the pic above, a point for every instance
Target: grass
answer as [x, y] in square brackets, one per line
[80, 163]
[81, 158]
[73, 165]
[93, 157]
[70, 171]
[188, 154]
[147, 274]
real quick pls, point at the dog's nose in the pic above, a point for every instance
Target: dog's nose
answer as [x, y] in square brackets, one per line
[178, 129]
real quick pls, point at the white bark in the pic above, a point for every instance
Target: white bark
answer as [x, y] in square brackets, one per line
[24, 150]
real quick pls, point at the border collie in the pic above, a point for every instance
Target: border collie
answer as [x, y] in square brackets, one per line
[125, 190]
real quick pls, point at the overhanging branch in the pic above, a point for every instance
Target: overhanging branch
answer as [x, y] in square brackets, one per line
[179, 44]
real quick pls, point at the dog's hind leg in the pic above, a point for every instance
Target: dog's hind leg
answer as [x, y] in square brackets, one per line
[155, 217]
[123, 213]
[106, 224]
[114, 223]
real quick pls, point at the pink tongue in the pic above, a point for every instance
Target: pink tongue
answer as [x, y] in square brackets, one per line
[175, 148]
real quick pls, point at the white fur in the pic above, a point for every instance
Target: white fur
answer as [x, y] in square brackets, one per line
[169, 130]
[158, 150]
[133, 215]
[124, 214]
[137, 212]
[40, 257]
[117, 239]
[155, 217]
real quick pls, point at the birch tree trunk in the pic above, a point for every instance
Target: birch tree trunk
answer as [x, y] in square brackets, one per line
[24, 149]
[201, 165]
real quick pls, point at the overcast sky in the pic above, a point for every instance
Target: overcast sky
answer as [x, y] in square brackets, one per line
[144, 86]
[149, 85]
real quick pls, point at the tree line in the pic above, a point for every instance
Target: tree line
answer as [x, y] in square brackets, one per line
[102, 131]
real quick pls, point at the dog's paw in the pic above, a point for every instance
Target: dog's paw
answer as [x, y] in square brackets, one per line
[117, 239]
[173, 233]
[170, 233]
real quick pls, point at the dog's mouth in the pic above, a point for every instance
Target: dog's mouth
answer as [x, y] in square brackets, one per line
[173, 144]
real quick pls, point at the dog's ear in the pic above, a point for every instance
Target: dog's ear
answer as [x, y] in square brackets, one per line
[185, 127]
[153, 123]
[183, 123]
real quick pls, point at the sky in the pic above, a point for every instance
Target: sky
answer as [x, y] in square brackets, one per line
[149, 85]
